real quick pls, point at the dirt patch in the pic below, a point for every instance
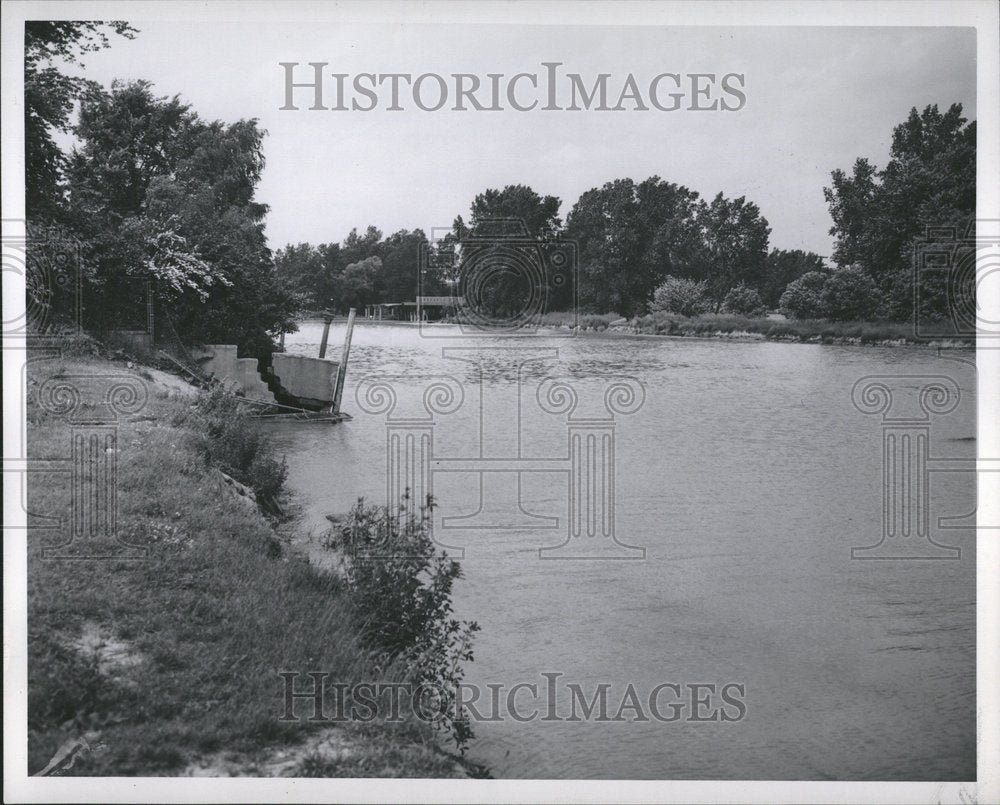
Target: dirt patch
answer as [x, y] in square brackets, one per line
[114, 657]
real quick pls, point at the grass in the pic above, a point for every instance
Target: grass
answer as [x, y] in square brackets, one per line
[217, 608]
[721, 325]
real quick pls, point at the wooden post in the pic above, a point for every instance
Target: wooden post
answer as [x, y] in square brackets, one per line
[338, 389]
[326, 336]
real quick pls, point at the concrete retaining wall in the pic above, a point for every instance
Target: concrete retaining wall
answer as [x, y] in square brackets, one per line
[223, 365]
[307, 379]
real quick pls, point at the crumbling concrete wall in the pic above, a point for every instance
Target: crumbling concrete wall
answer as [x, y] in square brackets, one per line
[309, 380]
[222, 364]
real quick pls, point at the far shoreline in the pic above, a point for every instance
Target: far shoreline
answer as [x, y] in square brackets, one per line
[592, 325]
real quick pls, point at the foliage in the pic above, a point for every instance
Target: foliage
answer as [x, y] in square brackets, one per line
[850, 294]
[782, 267]
[401, 586]
[154, 192]
[234, 443]
[803, 298]
[629, 237]
[49, 95]
[743, 301]
[734, 239]
[362, 270]
[843, 295]
[929, 181]
[680, 295]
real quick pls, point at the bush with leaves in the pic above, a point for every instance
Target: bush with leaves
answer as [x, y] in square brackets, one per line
[850, 294]
[680, 295]
[803, 298]
[234, 444]
[742, 300]
[401, 587]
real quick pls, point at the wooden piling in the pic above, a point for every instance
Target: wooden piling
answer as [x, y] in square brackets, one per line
[326, 336]
[338, 389]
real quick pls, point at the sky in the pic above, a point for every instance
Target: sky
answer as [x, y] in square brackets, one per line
[816, 99]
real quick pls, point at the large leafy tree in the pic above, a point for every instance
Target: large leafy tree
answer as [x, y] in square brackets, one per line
[734, 242]
[49, 96]
[157, 193]
[929, 181]
[782, 267]
[629, 238]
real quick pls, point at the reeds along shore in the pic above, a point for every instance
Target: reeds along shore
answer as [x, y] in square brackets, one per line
[726, 325]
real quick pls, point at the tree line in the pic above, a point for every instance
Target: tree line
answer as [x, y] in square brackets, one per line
[152, 192]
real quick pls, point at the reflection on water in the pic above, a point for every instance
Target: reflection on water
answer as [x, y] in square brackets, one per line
[747, 475]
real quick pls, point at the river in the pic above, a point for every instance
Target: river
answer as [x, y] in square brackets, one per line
[744, 474]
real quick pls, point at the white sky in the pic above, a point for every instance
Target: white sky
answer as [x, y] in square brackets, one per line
[817, 98]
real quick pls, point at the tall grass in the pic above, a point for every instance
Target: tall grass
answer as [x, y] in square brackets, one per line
[210, 616]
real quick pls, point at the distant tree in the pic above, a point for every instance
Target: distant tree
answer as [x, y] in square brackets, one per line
[849, 294]
[540, 214]
[502, 284]
[401, 255]
[929, 181]
[803, 298]
[735, 237]
[782, 267]
[629, 238]
[679, 295]
[743, 301]
[358, 284]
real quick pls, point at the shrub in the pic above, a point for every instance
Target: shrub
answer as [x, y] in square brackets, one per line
[743, 300]
[803, 298]
[848, 294]
[401, 588]
[234, 444]
[680, 295]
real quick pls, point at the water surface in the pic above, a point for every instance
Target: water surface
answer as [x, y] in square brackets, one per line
[747, 475]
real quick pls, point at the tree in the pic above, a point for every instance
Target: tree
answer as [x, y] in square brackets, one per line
[680, 295]
[401, 254]
[849, 294]
[803, 298]
[743, 300]
[540, 215]
[49, 96]
[156, 193]
[735, 242]
[782, 267]
[929, 181]
[629, 238]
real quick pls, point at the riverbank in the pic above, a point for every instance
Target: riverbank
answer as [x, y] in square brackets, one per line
[168, 663]
[729, 327]
[733, 327]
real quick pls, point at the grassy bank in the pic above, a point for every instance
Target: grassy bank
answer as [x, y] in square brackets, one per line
[722, 325]
[169, 664]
